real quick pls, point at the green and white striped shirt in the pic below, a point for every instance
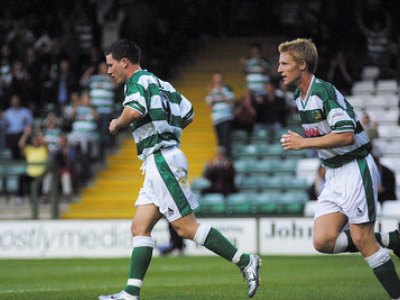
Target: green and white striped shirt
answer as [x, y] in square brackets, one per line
[325, 110]
[164, 112]
[102, 93]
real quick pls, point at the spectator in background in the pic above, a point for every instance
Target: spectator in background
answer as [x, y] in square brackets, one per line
[16, 119]
[220, 99]
[387, 179]
[339, 72]
[51, 134]
[5, 71]
[271, 109]
[84, 133]
[68, 111]
[221, 174]
[102, 93]
[175, 243]
[65, 83]
[256, 69]
[377, 35]
[318, 184]
[36, 157]
[64, 160]
[245, 113]
[370, 127]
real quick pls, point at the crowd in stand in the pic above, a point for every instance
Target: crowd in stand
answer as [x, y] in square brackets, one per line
[53, 80]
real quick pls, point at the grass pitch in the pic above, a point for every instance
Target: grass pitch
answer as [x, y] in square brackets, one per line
[204, 278]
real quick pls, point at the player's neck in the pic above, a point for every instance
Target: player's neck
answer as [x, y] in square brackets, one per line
[304, 84]
[132, 69]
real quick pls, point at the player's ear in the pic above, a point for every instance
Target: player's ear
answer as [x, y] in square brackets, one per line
[303, 65]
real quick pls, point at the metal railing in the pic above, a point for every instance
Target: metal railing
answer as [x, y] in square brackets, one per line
[7, 168]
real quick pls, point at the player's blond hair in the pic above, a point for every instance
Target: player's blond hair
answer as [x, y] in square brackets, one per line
[302, 50]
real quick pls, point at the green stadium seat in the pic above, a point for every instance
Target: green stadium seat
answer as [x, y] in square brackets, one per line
[199, 184]
[264, 166]
[245, 165]
[293, 184]
[261, 136]
[271, 183]
[5, 154]
[293, 202]
[213, 203]
[266, 203]
[249, 183]
[285, 167]
[239, 137]
[240, 203]
[273, 151]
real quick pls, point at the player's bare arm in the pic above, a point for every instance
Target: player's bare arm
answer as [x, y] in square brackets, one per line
[294, 141]
[127, 116]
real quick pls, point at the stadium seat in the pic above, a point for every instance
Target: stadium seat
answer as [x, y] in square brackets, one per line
[245, 165]
[240, 203]
[307, 168]
[366, 87]
[212, 204]
[199, 184]
[248, 183]
[274, 150]
[293, 184]
[293, 202]
[392, 132]
[264, 166]
[261, 135]
[309, 208]
[239, 137]
[387, 87]
[391, 209]
[266, 203]
[271, 183]
[285, 166]
[384, 117]
[388, 150]
[5, 154]
[370, 73]
[392, 162]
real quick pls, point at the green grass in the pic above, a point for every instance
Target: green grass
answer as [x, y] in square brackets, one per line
[210, 278]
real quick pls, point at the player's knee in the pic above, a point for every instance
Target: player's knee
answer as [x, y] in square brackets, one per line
[323, 246]
[137, 230]
[184, 233]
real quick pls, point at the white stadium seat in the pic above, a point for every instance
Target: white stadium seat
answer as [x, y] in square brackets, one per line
[388, 86]
[370, 72]
[391, 209]
[307, 168]
[392, 131]
[391, 162]
[309, 208]
[363, 88]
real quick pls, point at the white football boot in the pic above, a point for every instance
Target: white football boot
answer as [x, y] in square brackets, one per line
[122, 295]
[251, 276]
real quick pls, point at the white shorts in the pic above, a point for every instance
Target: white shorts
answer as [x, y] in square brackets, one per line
[352, 190]
[166, 184]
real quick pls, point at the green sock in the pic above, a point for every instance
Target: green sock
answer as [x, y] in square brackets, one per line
[394, 240]
[140, 261]
[219, 244]
[387, 276]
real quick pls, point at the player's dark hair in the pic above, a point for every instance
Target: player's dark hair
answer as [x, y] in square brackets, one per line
[124, 49]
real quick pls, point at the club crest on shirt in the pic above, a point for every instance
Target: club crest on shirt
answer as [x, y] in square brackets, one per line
[317, 115]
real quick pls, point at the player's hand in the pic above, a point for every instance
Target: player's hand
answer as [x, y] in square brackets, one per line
[292, 141]
[113, 127]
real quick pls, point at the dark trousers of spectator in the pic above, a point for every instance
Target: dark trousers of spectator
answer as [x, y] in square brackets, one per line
[224, 131]
[107, 140]
[12, 144]
[24, 186]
